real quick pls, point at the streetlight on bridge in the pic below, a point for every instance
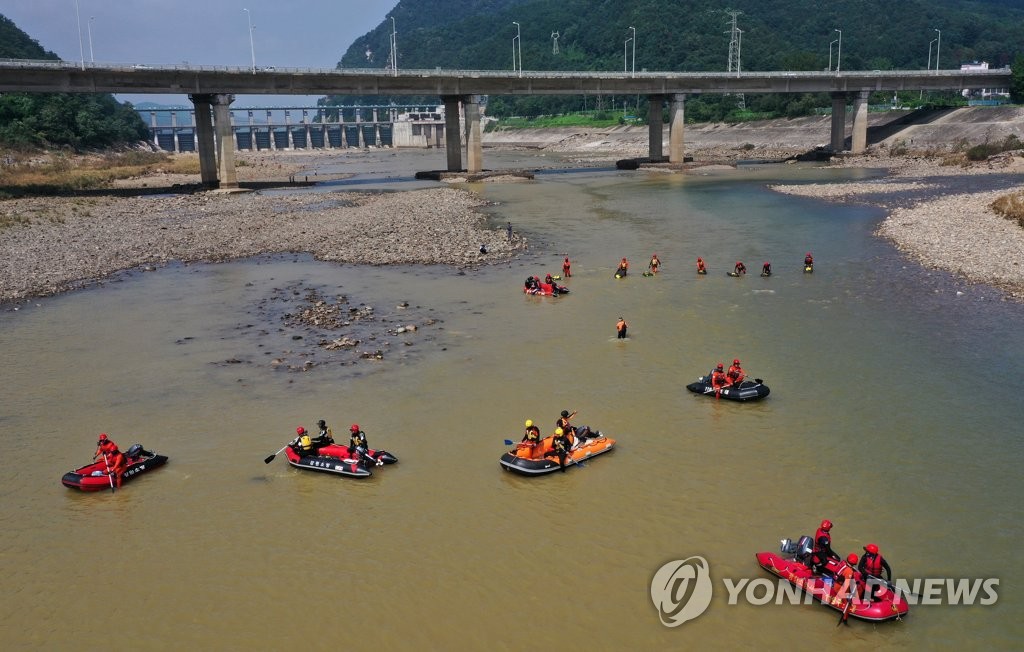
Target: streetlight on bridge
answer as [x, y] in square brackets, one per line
[839, 50]
[625, 55]
[938, 47]
[252, 48]
[517, 46]
[633, 38]
[81, 47]
[830, 53]
[394, 48]
[92, 57]
[930, 43]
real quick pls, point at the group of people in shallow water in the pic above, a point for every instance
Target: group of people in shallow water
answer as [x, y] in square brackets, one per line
[652, 267]
[854, 572]
[739, 269]
[734, 376]
[306, 446]
[565, 438]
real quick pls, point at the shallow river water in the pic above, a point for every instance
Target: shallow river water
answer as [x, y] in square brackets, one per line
[895, 412]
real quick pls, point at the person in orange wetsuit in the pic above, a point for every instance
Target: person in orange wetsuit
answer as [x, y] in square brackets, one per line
[822, 549]
[566, 268]
[620, 328]
[808, 260]
[718, 377]
[735, 374]
[117, 464]
[740, 269]
[623, 268]
[104, 445]
[872, 564]
[852, 582]
[701, 268]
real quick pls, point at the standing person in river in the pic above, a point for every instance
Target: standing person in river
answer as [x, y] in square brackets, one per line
[508, 231]
[623, 268]
[654, 264]
[620, 328]
[566, 268]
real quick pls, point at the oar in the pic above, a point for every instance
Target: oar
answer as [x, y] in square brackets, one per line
[110, 476]
[846, 612]
[270, 458]
[892, 587]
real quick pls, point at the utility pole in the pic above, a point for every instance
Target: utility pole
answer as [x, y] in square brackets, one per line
[735, 44]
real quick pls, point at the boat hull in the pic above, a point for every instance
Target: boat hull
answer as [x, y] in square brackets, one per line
[530, 461]
[93, 477]
[748, 390]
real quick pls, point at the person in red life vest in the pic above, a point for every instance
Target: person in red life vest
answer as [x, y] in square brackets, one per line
[740, 269]
[116, 463]
[766, 269]
[822, 547]
[735, 374]
[718, 377]
[808, 260]
[620, 329]
[872, 564]
[654, 264]
[701, 268]
[104, 445]
[852, 582]
[623, 268]
[566, 268]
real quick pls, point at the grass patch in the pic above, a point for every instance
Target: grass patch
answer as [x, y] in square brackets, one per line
[1011, 207]
[597, 121]
[61, 174]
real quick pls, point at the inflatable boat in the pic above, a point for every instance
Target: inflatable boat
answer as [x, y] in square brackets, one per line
[543, 289]
[748, 390]
[93, 477]
[794, 568]
[530, 459]
[337, 460]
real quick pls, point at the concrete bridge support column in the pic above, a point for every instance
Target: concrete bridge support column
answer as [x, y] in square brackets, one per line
[204, 140]
[474, 137]
[859, 137]
[675, 128]
[225, 140]
[452, 137]
[838, 122]
[655, 127]
[152, 129]
[174, 133]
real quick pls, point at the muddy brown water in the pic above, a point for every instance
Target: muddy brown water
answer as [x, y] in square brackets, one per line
[895, 412]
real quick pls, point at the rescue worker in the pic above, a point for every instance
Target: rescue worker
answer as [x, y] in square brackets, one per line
[808, 260]
[766, 269]
[654, 264]
[559, 446]
[532, 434]
[531, 283]
[740, 269]
[718, 377]
[563, 421]
[357, 445]
[872, 564]
[325, 437]
[566, 268]
[620, 328]
[116, 465]
[549, 279]
[851, 582]
[623, 268]
[735, 374]
[701, 269]
[104, 445]
[822, 548]
[303, 443]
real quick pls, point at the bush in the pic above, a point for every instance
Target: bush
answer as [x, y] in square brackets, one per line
[1011, 207]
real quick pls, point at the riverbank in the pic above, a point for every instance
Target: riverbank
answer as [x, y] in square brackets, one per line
[60, 243]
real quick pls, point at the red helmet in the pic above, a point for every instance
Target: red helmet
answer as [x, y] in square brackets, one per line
[766, 262]
[736, 361]
[103, 436]
[851, 559]
[872, 548]
[720, 366]
[354, 427]
[300, 430]
[739, 262]
[826, 525]
[699, 259]
[808, 253]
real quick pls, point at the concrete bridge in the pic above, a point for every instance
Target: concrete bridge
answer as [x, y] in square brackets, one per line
[212, 90]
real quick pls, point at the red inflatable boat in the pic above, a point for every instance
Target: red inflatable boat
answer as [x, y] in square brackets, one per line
[93, 477]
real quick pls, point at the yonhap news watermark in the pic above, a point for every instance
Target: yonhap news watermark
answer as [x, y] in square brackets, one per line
[682, 590]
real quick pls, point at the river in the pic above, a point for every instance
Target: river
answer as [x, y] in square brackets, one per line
[894, 412]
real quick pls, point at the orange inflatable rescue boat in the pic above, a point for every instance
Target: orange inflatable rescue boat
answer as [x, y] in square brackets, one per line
[541, 458]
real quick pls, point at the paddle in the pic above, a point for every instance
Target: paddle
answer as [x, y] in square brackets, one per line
[846, 612]
[270, 458]
[110, 476]
[892, 587]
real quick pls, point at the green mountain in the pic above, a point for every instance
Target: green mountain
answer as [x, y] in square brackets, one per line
[60, 119]
[691, 35]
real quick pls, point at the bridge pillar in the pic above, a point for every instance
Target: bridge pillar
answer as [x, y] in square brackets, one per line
[474, 138]
[176, 147]
[859, 137]
[225, 140]
[452, 137]
[204, 140]
[838, 122]
[655, 126]
[675, 128]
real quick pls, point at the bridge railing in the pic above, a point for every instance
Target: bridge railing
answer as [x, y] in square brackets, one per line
[510, 74]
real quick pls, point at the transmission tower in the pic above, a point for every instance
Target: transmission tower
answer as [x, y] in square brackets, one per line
[554, 42]
[735, 50]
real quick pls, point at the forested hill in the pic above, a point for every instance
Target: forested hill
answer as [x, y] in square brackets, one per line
[692, 35]
[59, 119]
